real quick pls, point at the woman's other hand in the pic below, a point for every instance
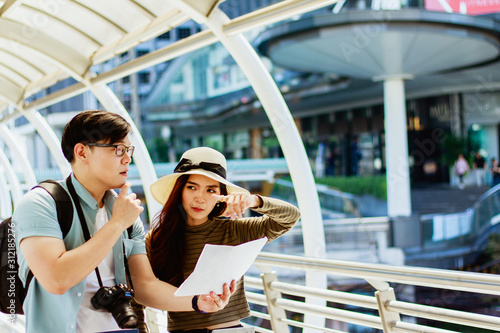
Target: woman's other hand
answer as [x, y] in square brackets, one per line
[214, 302]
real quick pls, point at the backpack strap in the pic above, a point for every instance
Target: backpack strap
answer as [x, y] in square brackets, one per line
[64, 208]
[64, 205]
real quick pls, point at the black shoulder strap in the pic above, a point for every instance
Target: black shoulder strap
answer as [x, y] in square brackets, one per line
[64, 208]
[64, 205]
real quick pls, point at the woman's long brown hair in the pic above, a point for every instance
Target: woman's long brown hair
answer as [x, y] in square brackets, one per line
[167, 242]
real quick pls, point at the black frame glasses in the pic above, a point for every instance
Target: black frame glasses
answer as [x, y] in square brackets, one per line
[120, 150]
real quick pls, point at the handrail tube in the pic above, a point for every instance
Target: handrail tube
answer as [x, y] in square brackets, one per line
[358, 220]
[253, 282]
[262, 330]
[440, 314]
[375, 226]
[359, 227]
[427, 277]
[255, 298]
[330, 295]
[260, 315]
[346, 228]
[485, 195]
[331, 313]
[405, 327]
[302, 325]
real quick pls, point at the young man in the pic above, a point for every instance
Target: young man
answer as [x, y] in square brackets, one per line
[97, 145]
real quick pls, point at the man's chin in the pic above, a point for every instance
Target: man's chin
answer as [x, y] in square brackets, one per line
[119, 184]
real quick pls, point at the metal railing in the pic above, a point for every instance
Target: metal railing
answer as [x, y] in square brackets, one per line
[387, 302]
[390, 310]
[277, 299]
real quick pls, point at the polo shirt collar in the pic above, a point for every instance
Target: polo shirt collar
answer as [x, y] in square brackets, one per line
[85, 195]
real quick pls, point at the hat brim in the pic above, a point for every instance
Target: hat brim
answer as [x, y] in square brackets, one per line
[162, 188]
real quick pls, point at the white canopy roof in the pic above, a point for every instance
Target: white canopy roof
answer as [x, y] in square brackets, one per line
[42, 42]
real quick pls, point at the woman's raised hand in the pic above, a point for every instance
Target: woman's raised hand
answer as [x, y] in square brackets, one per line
[237, 203]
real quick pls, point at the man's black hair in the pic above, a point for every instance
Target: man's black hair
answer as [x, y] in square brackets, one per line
[93, 126]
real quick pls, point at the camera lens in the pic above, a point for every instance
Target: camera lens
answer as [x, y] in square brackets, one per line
[124, 315]
[116, 300]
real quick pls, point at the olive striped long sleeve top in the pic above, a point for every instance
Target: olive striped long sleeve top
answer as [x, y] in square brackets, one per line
[277, 218]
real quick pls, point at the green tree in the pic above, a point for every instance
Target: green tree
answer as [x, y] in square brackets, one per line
[453, 145]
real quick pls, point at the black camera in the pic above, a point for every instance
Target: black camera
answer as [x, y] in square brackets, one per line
[116, 300]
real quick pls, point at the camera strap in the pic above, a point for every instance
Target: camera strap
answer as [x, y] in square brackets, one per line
[86, 233]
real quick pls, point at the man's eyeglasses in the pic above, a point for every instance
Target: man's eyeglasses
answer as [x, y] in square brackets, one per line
[120, 150]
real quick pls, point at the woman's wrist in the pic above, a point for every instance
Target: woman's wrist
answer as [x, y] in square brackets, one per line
[194, 304]
[258, 201]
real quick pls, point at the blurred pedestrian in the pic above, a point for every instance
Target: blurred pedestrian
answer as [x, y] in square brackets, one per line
[495, 172]
[480, 167]
[461, 168]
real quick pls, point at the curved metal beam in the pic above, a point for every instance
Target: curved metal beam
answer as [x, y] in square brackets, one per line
[10, 92]
[25, 63]
[8, 137]
[143, 10]
[158, 26]
[15, 187]
[82, 6]
[74, 63]
[68, 26]
[14, 72]
[49, 137]
[5, 198]
[9, 5]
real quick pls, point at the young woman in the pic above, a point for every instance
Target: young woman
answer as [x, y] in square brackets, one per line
[202, 207]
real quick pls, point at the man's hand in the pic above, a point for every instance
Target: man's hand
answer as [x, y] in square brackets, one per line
[214, 302]
[127, 207]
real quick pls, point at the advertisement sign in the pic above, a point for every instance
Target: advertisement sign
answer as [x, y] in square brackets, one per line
[469, 7]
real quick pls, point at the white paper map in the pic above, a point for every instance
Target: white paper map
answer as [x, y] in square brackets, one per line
[219, 264]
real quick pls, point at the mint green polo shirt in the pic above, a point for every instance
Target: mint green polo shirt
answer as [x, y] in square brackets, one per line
[36, 215]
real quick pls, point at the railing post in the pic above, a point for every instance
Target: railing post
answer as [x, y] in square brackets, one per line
[275, 312]
[389, 318]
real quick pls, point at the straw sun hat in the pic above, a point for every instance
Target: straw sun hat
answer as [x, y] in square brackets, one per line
[197, 161]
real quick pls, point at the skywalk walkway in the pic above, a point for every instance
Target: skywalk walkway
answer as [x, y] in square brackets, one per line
[443, 198]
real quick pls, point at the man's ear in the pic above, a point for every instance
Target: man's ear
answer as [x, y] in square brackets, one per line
[80, 152]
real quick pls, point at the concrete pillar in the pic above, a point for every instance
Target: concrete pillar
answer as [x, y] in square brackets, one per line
[396, 147]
